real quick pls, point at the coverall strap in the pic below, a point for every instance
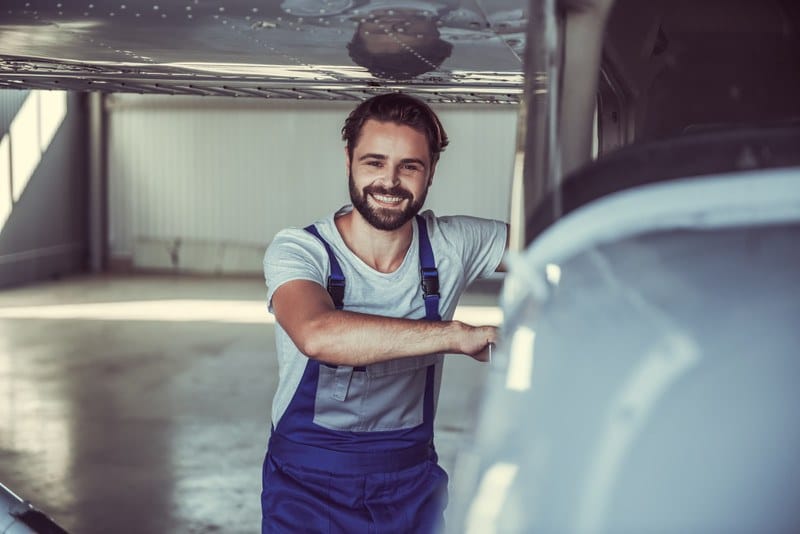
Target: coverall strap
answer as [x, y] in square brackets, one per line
[336, 282]
[429, 274]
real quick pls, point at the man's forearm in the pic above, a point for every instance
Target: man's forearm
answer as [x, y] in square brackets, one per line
[349, 338]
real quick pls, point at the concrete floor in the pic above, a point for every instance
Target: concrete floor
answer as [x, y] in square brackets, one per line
[141, 403]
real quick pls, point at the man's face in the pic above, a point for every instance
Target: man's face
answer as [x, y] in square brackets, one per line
[389, 174]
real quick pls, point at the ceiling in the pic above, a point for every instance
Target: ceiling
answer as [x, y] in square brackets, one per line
[446, 50]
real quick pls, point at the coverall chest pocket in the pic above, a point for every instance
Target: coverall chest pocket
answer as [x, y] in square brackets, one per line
[383, 396]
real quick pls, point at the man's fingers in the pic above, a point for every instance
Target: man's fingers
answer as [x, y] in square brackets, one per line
[485, 354]
[480, 342]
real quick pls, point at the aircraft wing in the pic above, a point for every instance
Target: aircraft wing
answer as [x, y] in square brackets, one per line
[447, 50]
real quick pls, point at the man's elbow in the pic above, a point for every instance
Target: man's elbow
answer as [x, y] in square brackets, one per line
[314, 342]
[311, 346]
[324, 350]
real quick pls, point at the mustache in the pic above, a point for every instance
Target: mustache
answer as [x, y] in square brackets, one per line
[396, 191]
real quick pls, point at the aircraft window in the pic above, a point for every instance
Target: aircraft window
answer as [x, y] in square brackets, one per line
[687, 89]
[683, 66]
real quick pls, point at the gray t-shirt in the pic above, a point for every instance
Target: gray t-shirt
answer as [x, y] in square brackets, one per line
[465, 248]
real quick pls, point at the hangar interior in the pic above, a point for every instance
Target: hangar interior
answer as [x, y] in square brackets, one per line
[134, 368]
[137, 362]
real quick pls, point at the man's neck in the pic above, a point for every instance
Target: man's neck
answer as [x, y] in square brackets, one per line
[382, 250]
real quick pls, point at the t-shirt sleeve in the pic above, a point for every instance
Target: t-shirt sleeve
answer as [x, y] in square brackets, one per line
[481, 243]
[294, 254]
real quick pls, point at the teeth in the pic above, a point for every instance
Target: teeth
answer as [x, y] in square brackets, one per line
[387, 198]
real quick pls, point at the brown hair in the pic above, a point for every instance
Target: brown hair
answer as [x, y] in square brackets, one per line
[401, 109]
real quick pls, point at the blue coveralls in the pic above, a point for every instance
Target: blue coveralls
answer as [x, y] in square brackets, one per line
[317, 478]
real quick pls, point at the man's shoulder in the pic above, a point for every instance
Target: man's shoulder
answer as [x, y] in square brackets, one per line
[465, 231]
[289, 235]
[430, 216]
[293, 253]
[302, 234]
[455, 223]
[292, 240]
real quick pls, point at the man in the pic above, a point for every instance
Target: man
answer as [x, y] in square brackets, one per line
[364, 301]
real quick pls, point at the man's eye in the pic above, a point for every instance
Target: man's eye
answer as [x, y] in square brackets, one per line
[411, 168]
[375, 163]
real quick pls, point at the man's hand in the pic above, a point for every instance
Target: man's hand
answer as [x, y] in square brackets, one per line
[476, 341]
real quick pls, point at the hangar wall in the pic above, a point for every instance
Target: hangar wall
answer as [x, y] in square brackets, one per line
[203, 183]
[43, 185]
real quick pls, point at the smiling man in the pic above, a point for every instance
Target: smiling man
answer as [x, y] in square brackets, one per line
[364, 301]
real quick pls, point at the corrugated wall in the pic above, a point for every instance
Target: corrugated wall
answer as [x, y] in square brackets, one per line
[191, 176]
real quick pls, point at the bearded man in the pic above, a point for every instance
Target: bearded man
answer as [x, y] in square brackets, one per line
[364, 301]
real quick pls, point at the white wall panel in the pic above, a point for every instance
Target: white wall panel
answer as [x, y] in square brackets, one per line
[224, 170]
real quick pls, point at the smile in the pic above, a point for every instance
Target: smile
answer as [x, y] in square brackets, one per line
[387, 199]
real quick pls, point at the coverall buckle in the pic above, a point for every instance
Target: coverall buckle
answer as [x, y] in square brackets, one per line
[336, 291]
[430, 282]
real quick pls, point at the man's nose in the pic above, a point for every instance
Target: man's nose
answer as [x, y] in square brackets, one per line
[391, 176]
[396, 175]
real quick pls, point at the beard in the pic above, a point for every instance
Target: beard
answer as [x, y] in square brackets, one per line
[384, 218]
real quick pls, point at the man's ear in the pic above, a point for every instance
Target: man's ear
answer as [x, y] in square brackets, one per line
[430, 176]
[347, 159]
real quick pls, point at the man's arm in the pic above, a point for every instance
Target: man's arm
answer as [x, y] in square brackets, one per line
[305, 310]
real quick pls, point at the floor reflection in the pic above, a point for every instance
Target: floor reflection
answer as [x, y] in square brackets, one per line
[35, 433]
[133, 425]
[141, 404]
